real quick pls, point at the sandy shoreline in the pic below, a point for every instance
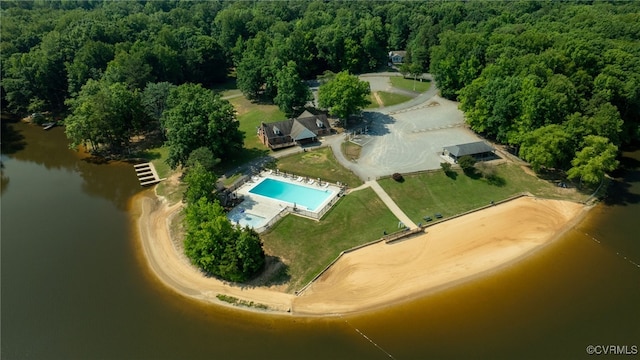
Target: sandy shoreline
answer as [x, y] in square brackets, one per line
[379, 275]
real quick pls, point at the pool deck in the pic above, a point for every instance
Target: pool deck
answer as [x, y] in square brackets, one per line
[270, 208]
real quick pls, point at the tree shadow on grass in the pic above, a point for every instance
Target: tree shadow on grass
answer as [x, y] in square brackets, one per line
[229, 84]
[473, 174]
[146, 155]
[496, 180]
[451, 174]
[242, 160]
[275, 273]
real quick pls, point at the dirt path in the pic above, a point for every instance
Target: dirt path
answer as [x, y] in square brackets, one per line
[376, 96]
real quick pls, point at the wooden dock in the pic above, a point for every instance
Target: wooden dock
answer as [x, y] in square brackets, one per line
[147, 174]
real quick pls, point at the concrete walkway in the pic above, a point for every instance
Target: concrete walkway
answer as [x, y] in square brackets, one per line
[391, 205]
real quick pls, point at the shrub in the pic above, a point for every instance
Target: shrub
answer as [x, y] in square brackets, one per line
[466, 163]
[397, 177]
[446, 167]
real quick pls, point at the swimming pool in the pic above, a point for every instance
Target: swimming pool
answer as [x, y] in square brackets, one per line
[298, 195]
[241, 217]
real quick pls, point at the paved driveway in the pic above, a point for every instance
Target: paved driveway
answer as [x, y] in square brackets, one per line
[413, 139]
[410, 136]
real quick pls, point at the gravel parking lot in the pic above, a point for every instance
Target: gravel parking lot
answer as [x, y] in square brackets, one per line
[407, 140]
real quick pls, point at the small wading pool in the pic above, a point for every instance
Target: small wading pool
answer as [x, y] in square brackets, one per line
[299, 195]
[241, 217]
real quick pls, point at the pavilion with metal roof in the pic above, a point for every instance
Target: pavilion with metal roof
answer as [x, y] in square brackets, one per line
[480, 150]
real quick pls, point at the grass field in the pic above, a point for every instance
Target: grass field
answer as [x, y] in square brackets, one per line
[350, 150]
[250, 115]
[429, 193]
[307, 246]
[373, 104]
[319, 163]
[408, 84]
[389, 99]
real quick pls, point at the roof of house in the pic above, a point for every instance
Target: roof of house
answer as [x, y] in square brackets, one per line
[300, 128]
[398, 52]
[305, 114]
[283, 126]
[300, 132]
[473, 148]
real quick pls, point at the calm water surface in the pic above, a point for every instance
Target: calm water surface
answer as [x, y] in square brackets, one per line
[74, 285]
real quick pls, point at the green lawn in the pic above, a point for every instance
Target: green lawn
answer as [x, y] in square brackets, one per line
[171, 190]
[350, 150]
[408, 84]
[389, 99]
[319, 163]
[429, 193]
[250, 115]
[307, 246]
[231, 93]
[372, 102]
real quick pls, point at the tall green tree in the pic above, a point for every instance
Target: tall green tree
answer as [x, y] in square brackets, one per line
[250, 74]
[199, 117]
[204, 157]
[105, 116]
[36, 80]
[457, 61]
[547, 147]
[201, 183]
[155, 98]
[293, 93]
[89, 62]
[218, 247]
[594, 160]
[129, 69]
[344, 95]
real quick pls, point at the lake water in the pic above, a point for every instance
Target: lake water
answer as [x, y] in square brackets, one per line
[74, 285]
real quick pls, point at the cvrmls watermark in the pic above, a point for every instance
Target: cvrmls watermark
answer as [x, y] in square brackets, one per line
[612, 349]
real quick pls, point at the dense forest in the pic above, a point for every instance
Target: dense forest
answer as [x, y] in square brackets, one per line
[558, 81]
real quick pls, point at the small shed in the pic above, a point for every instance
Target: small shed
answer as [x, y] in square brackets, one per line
[397, 57]
[480, 150]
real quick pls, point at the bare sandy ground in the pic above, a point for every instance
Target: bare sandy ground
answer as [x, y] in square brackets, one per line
[449, 253]
[381, 274]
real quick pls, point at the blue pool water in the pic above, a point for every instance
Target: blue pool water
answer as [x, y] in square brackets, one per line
[300, 195]
[241, 217]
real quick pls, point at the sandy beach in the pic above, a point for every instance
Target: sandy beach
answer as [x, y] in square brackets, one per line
[379, 275]
[174, 270]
